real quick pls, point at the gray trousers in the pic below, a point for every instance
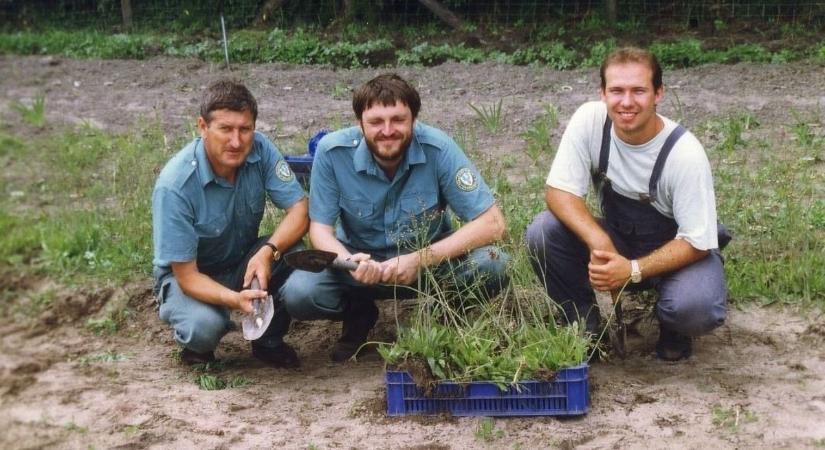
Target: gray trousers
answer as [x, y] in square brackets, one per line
[692, 300]
[327, 294]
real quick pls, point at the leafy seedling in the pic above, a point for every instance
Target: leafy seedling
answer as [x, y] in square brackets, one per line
[490, 116]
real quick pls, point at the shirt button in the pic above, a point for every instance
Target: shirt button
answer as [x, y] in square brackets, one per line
[355, 142]
[194, 163]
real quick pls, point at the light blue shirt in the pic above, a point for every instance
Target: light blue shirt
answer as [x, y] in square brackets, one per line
[198, 216]
[376, 214]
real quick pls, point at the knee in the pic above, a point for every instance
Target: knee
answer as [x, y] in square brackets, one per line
[201, 331]
[541, 230]
[694, 313]
[492, 270]
[299, 296]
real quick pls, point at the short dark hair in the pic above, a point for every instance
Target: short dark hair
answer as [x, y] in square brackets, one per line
[227, 94]
[386, 89]
[633, 55]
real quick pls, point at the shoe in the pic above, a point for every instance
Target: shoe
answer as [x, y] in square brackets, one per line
[192, 357]
[673, 346]
[282, 356]
[359, 319]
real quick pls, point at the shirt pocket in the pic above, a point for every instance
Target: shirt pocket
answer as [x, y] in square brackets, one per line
[357, 209]
[212, 227]
[421, 216]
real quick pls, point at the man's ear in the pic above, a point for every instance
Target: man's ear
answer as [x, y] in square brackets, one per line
[660, 94]
[202, 126]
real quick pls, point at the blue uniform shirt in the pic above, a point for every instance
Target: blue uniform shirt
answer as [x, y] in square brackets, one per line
[198, 216]
[407, 212]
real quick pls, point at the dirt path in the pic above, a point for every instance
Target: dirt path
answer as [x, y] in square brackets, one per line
[757, 382]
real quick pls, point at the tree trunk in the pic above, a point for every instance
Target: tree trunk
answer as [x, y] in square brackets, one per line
[611, 12]
[126, 12]
[266, 11]
[443, 13]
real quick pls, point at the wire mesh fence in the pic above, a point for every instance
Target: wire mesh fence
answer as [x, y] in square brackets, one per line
[180, 15]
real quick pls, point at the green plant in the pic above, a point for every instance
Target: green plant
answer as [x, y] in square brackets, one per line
[35, 114]
[487, 431]
[538, 135]
[131, 430]
[731, 418]
[208, 382]
[108, 356]
[490, 116]
[110, 323]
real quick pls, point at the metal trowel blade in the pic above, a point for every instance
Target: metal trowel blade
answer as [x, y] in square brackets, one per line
[254, 325]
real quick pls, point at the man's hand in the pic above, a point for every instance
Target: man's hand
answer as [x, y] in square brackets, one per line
[244, 299]
[260, 266]
[368, 271]
[402, 269]
[608, 271]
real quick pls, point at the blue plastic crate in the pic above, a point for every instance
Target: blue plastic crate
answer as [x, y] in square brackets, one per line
[301, 166]
[567, 395]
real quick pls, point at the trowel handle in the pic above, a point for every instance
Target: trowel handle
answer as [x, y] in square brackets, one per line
[255, 284]
[343, 264]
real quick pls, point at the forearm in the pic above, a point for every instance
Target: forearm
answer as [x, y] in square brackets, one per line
[572, 211]
[203, 288]
[293, 226]
[672, 256]
[487, 228]
[323, 237]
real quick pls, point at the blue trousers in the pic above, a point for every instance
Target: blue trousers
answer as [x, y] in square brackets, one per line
[327, 294]
[692, 300]
[199, 326]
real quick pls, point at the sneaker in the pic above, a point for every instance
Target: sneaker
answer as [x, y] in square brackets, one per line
[192, 357]
[281, 356]
[358, 321]
[673, 346]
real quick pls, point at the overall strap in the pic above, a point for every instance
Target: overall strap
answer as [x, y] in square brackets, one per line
[659, 166]
[604, 153]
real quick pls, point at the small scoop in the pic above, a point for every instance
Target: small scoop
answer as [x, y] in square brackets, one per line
[318, 260]
[255, 324]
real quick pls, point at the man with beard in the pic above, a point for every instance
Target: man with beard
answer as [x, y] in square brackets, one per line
[207, 206]
[659, 227]
[387, 184]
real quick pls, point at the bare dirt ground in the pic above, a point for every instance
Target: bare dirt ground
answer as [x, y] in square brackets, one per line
[757, 382]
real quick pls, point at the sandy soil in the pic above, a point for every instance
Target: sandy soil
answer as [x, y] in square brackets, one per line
[757, 382]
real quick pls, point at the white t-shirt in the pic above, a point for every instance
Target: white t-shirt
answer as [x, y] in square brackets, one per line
[685, 189]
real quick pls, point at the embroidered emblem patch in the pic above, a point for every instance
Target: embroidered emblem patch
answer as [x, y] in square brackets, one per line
[466, 180]
[283, 171]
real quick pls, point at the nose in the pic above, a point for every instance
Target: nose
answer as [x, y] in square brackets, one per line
[386, 128]
[235, 139]
[627, 99]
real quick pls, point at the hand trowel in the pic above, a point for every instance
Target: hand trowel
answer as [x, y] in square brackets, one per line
[318, 260]
[255, 324]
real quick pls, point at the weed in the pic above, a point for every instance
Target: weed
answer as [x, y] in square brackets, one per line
[487, 431]
[75, 428]
[108, 356]
[34, 115]
[732, 418]
[490, 116]
[341, 92]
[209, 382]
[131, 430]
[110, 323]
[539, 134]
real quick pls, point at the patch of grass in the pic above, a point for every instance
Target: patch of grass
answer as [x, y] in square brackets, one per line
[75, 428]
[131, 430]
[108, 356]
[539, 135]
[426, 54]
[208, 382]
[732, 418]
[490, 116]
[487, 431]
[109, 324]
[34, 115]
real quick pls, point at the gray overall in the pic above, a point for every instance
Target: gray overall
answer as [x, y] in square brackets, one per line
[692, 300]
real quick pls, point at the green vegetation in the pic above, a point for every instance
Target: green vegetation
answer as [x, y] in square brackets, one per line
[732, 418]
[772, 202]
[35, 114]
[487, 431]
[378, 47]
[490, 116]
[108, 356]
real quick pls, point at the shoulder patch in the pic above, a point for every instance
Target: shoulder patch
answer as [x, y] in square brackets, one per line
[283, 172]
[466, 180]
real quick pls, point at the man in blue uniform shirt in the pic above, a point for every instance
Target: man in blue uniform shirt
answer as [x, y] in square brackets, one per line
[386, 183]
[207, 206]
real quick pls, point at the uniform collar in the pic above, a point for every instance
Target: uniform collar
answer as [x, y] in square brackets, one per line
[205, 172]
[364, 162]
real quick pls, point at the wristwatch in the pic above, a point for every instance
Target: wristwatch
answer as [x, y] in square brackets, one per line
[635, 271]
[276, 255]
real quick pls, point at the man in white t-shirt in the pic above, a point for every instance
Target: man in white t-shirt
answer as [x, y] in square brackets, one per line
[658, 227]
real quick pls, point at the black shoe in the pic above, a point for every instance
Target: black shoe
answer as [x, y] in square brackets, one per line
[359, 319]
[282, 356]
[192, 357]
[673, 346]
